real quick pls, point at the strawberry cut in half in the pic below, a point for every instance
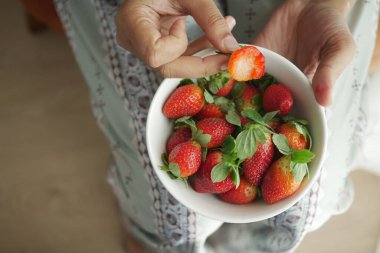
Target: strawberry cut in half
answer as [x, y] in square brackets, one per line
[246, 63]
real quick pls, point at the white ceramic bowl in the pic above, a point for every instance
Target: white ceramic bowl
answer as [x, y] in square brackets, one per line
[305, 106]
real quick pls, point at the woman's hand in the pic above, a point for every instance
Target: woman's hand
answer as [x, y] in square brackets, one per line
[155, 32]
[313, 35]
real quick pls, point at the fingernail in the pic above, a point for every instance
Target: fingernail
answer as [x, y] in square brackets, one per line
[230, 43]
[224, 66]
[231, 22]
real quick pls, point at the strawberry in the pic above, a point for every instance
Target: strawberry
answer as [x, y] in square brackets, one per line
[274, 124]
[246, 63]
[220, 84]
[218, 129]
[277, 97]
[180, 135]
[295, 138]
[244, 121]
[185, 159]
[226, 88]
[202, 181]
[255, 166]
[245, 99]
[185, 100]
[244, 194]
[210, 111]
[279, 181]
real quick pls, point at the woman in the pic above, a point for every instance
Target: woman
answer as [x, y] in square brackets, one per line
[318, 36]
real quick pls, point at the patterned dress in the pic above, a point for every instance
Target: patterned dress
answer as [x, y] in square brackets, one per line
[122, 87]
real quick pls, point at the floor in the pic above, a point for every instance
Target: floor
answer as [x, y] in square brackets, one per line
[53, 194]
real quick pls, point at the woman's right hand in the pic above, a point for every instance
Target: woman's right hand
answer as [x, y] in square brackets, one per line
[155, 32]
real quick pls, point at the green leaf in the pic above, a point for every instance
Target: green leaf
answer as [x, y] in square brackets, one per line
[174, 169]
[257, 100]
[185, 81]
[164, 159]
[270, 115]
[203, 139]
[246, 144]
[204, 153]
[302, 156]
[208, 97]
[222, 101]
[260, 135]
[253, 115]
[299, 170]
[236, 177]
[228, 145]
[237, 89]
[233, 118]
[202, 82]
[259, 192]
[220, 172]
[282, 144]
[213, 87]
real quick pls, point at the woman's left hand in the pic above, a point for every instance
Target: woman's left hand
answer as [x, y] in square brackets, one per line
[315, 37]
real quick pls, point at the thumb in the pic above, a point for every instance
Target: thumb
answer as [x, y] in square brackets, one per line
[212, 22]
[335, 55]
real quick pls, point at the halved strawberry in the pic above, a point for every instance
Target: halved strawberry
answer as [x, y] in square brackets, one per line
[202, 181]
[218, 129]
[180, 135]
[246, 63]
[185, 100]
[244, 194]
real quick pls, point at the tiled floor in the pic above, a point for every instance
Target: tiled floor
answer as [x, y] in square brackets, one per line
[53, 194]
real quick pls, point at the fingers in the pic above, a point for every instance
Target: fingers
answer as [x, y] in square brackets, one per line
[203, 43]
[148, 43]
[193, 67]
[209, 18]
[335, 55]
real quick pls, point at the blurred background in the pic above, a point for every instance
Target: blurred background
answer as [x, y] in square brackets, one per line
[53, 192]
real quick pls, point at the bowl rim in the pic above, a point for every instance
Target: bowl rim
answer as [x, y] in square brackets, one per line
[231, 219]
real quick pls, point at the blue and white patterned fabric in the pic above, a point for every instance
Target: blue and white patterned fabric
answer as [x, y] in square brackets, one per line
[122, 87]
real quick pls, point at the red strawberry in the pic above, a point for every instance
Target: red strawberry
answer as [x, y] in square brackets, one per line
[277, 97]
[180, 135]
[218, 129]
[244, 101]
[295, 139]
[274, 124]
[255, 166]
[187, 156]
[244, 194]
[244, 121]
[226, 88]
[246, 63]
[220, 84]
[279, 181]
[185, 100]
[210, 111]
[202, 182]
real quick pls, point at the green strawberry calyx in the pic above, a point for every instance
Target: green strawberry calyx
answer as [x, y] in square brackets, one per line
[229, 164]
[172, 169]
[301, 127]
[298, 158]
[219, 81]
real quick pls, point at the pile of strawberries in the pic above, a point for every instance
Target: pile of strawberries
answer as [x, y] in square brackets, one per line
[233, 136]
